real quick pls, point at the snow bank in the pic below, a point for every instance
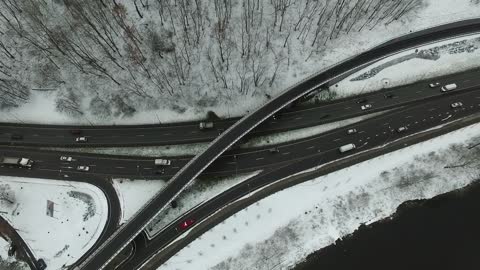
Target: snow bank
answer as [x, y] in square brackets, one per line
[284, 228]
[133, 194]
[79, 214]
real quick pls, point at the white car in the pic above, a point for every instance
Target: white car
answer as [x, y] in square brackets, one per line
[352, 131]
[81, 139]
[402, 129]
[456, 104]
[162, 162]
[83, 168]
[64, 158]
[366, 107]
[433, 85]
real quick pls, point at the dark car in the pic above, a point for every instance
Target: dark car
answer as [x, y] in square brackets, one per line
[389, 95]
[16, 137]
[185, 224]
[75, 131]
[173, 204]
[41, 265]
[362, 100]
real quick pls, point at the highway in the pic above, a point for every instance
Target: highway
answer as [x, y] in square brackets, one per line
[372, 133]
[126, 233]
[288, 119]
[232, 162]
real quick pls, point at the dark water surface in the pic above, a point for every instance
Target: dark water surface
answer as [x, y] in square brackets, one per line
[440, 233]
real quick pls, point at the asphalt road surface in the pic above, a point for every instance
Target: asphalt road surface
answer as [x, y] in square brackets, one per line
[372, 133]
[127, 232]
[294, 118]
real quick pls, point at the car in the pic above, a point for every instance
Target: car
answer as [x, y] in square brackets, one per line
[366, 107]
[83, 168]
[81, 139]
[362, 100]
[352, 131]
[76, 131]
[41, 265]
[273, 150]
[448, 87]
[185, 224]
[65, 158]
[456, 104]
[389, 95]
[402, 129]
[433, 85]
[16, 137]
[162, 171]
[205, 125]
[162, 162]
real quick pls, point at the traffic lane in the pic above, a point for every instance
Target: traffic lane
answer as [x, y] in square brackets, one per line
[243, 161]
[172, 232]
[225, 165]
[191, 133]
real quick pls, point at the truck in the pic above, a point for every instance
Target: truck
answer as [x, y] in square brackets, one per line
[347, 147]
[21, 162]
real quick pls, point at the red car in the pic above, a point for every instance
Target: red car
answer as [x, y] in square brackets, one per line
[185, 224]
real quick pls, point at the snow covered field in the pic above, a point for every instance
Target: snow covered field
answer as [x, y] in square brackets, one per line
[78, 213]
[281, 55]
[434, 60]
[284, 228]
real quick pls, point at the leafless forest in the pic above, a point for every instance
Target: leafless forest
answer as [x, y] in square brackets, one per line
[116, 57]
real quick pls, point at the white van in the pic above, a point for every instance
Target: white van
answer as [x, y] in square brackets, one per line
[449, 87]
[347, 147]
[162, 162]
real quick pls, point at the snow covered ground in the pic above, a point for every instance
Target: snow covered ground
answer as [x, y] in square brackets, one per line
[85, 98]
[133, 194]
[284, 228]
[79, 214]
[8, 262]
[434, 60]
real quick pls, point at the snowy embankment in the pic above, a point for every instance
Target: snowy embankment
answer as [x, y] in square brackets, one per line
[133, 194]
[230, 58]
[442, 58]
[9, 262]
[59, 220]
[284, 228]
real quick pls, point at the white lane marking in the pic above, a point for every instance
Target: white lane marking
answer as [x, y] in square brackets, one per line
[432, 109]
[311, 147]
[298, 118]
[386, 124]
[418, 92]
[409, 116]
[368, 138]
[233, 163]
[36, 135]
[167, 133]
[260, 158]
[431, 117]
[286, 153]
[346, 108]
[193, 132]
[336, 140]
[360, 132]
[416, 122]
[446, 118]
[140, 135]
[148, 168]
[120, 167]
